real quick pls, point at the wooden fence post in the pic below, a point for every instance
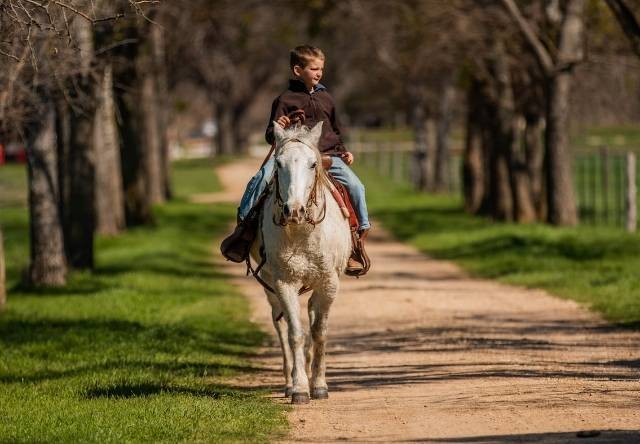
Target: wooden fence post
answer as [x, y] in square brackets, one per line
[582, 172]
[397, 164]
[604, 165]
[632, 202]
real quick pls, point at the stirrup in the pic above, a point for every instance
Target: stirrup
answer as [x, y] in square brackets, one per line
[237, 246]
[358, 255]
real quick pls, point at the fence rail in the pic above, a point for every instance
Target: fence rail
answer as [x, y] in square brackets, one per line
[606, 182]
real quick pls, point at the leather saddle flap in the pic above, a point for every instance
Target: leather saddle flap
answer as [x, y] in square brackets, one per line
[343, 195]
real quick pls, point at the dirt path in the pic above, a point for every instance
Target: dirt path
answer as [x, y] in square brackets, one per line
[420, 352]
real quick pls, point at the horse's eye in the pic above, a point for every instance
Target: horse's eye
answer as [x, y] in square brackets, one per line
[315, 164]
[278, 164]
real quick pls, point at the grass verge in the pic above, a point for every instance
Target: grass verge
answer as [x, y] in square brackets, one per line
[139, 350]
[597, 267]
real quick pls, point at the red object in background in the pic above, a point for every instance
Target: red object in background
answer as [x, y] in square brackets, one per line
[12, 152]
[21, 156]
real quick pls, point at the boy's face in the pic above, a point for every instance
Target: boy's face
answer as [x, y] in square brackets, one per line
[310, 74]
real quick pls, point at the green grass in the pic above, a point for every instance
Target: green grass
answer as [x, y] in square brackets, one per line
[194, 176]
[597, 267]
[140, 350]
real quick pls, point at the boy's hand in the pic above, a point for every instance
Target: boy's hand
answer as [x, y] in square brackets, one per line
[283, 121]
[347, 157]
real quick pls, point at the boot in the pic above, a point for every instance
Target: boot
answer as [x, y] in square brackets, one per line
[359, 263]
[237, 245]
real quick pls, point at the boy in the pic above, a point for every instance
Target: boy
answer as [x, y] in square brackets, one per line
[307, 96]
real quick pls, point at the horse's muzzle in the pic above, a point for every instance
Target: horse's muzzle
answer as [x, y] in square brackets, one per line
[294, 214]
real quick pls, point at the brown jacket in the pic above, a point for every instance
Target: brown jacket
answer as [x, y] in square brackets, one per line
[318, 106]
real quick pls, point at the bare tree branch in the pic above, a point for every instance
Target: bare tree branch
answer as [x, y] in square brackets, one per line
[627, 21]
[6, 54]
[74, 10]
[542, 55]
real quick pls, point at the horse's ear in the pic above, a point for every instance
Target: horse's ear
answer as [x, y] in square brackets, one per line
[314, 134]
[278, 132]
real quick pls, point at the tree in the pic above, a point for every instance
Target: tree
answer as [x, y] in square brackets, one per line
[48, 261]
[135, 148]
[52, 46]
[76, 151]
[141, 102]
[444, 121]
[109, 196]
[558, 72]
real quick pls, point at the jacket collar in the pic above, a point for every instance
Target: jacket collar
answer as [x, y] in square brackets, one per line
[299, 86]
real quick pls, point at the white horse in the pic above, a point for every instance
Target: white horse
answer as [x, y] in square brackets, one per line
[307, 242]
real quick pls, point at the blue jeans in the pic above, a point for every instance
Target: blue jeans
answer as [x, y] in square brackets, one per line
[339, 170]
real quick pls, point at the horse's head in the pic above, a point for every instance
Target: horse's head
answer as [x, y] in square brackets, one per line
[298, 169]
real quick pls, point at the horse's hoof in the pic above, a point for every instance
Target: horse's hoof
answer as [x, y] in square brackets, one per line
[288, 391]
[320, 393]
[299, 398]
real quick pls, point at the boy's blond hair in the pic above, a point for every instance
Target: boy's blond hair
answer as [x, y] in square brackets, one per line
[302, 55]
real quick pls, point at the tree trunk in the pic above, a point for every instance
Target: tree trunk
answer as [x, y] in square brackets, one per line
[162, 94]
[64, 134]
[225, 134]
[240, 139]
[560, 193]
[420, 172]
[561, 199]
[136, 201]
[534, 153]
[153, 164]
[3, 289]
[445, 116]
[76, 165]
[48, 264]
[500, 201]
[523, 205]
[473, 172]
[79, 222]
[109, 199]
[501, 137]
[240, 131]
[128, 93]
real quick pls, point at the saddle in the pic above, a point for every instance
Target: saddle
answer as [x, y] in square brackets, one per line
[340, 194]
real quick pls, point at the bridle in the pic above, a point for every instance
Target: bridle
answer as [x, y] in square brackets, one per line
[313, 196]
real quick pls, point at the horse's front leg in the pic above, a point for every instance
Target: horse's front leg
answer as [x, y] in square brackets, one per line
[280, 324]
[288, 297]
[319, 305]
